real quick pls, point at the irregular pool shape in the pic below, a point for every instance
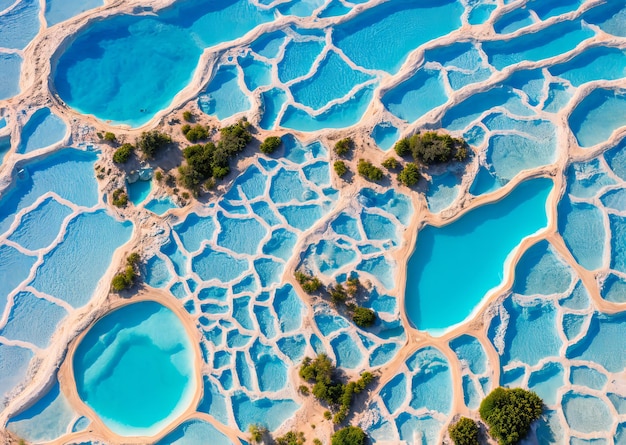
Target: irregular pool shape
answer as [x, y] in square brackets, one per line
[194, 230]
[10, 69]
[547, 381]
[416, 96]
[597, 116]
[20, 25]
[194, 432]
[255, 73]
[589, 377]
[43, 129]
[14, 363]
[582, 228]
[483, 237]
[160, 205]
[240, 235]
[121, 363]
[298, 58]
[264, 411]
[105, 54]
[332, 80]
[431, 385]
[585, 413]
[513, 21]
[39, 227]
[469, 350]
[541, 271]
[46, 420]
[58, 11]
[272, 103]
[442, 191]
[394, 393]
[138, 191]
[596, 63]
[388, 24]
[223, 97]
[14, 268]
[93, 237]
[385, 135]
[212, 264]
[347, 352]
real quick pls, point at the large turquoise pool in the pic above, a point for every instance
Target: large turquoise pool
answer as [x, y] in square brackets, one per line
[135, 369]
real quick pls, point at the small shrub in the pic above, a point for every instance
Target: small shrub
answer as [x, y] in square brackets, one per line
[363, 317]
[410, 175]
[390, 163]
[196, 133]
[350, 435]
[327, 415]
[304, 390]
[291, 438]
[100, 135]
[270, 145]
[317, 442]
[109, 137]
[158, 176]
[309, 283]
[369, 171]
[343, 146]
[187, 116]
[120, 198]
[150, 142]
[256, 433]
[402, 147]
[340, 168]
[338, 294]
[464, 432]
[352, 286]
[123, 153]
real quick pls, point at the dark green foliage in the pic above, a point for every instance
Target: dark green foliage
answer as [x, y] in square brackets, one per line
[352, 286]
[196, 133]
[123, 153]
[256, 433]
[410, 174]
[327, 388]
[367, 170]
[158, 175]
[109, 137]
[126, 279]
[338, 294]
[340, 168]
[291, 438]
[317, 442]
[304, 390]
[151, 142]
[432, 148]
[350, 435]
[270, 145]
[208, 161]
[464, 432]
[509, 413]
[402, 147]
[187, 116]
[309, 283]
[343, 146]
[390, 163]
[363, 317]
[120, 198]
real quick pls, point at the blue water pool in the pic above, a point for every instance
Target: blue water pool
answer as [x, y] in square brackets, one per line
[483, 238]
[138, 191]
[597, 115]
[385, 135]
[58, 11]
[10, 68]
[160, 205]
[223, 97]
[122, 362]
[43, 129]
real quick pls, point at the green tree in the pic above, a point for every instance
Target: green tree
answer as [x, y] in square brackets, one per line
[187, 116]
[363, 317]
[122, 154]
[369, 171]
[110, 137]
[350, 435]
[291, 438]
[340, 168]
[390, 163]
[196, 133]
[150, 142]
[256, 433]
[270, 144]
[120, 198]
[343, 146]
[464, 432]
[509, 413]
[410, 175]
[402, 147]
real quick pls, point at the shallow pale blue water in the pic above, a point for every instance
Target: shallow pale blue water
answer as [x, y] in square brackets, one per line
[39, 227]
[20, 25]
[10, 68]
[599, 113]
[223, 97]
[138, 191]
[385, 135]
[194, 432]
[484, 236]
[417, 96]
[43, 129]
[160, 205]
[122, 362]
[58, 11]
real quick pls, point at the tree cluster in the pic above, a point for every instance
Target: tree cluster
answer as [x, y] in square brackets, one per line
[409, 175]
[361, 316]
[432, 148]
[369, 171]
[270, 145]
[291, 438]
[340, 168]
[150, 142]
[196, 133]
[126, 279]
[343, 146]
[464, 432]
[213, 161]
[328, 388]
[509, 412]
[120, 198]
[350, 435]
[122, 154]
[309, 283]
